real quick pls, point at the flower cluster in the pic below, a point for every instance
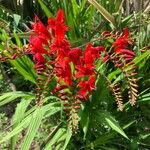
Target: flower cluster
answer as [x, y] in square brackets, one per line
[122, 57]
[121, 46]
[72, 67]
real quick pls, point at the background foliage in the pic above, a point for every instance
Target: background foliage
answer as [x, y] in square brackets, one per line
[23, 125]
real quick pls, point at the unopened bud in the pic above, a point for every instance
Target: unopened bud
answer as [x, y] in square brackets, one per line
[14, 56]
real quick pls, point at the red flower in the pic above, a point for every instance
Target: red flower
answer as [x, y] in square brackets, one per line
[86, 87]
[88, 59]
[40, 63]
[95, 51]
[74, 55]
[121, 46]
[122, 41]
[91, 53]
[85, 66]
[36, 45]
[84, 71]
[63, 71]
[59, 45]
[51, 42]
[62, 49]
[58, 26]
[40, 29]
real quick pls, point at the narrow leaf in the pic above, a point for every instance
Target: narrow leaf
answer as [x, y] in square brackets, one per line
[109, 120]
[16, 19]
[17, 118]
[18, 41]
[33, 127]
[55, 138]
[68, 137]
[75, 8]
[17, 130]
[114, 125]
[11, 96]
[45, 9]
[25, 67]
[85, 119]
[103, 11]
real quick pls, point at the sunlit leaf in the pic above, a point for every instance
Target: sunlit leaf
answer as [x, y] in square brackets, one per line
[33, 128]
[11, 96]
[103, 11]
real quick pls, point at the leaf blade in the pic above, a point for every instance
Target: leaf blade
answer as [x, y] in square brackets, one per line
[116, 127]
[45, 9]
[33, 127]
[103, 11]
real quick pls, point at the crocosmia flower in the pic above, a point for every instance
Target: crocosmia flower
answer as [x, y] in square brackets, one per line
[58, 26]
[86, 87]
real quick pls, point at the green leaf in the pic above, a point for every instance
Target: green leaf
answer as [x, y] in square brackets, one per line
[68, 137]
[17, 118]
[45, 9]
[83, 2]
[55, 139]
[33, 128]
[25, 67]
[18, 41]
[138, 59]
[144, 98]
[145, 136]
[103, 139]
[64, 6]
[103, 11]
[29, 116]
[16, 19]
[75, 8]
[16, 130]
[50, 108]
[126, 20]
[106, 137]
[110, 121]
[11, 96]
[118, 4]
[129, 124]
[85, 120]
[114, 125]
